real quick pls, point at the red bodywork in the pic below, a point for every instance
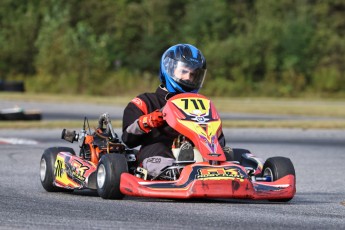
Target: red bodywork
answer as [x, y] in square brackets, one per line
[195, 117]
[193, 184]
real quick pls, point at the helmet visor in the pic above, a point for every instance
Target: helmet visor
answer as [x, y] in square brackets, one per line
[189, 76]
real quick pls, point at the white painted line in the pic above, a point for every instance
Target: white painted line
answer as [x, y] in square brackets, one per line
[17, 141]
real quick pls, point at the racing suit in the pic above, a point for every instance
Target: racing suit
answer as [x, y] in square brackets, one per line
[159, 141]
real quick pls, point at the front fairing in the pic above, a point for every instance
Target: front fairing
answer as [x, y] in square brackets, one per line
[194, 116]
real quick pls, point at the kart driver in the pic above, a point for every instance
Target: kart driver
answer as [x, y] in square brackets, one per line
[182, 69]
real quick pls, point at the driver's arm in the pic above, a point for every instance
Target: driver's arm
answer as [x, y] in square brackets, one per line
[139, 120]
[132, 135]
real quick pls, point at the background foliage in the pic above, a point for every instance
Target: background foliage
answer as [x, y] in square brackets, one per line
[111, 47]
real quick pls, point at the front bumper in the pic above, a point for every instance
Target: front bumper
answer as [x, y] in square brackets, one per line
[205, 181]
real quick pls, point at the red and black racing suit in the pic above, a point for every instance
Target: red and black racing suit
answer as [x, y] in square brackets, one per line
[159, 141]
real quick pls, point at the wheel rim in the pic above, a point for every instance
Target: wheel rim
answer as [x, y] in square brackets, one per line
[43, 169]
[268, 174]
[101, 174]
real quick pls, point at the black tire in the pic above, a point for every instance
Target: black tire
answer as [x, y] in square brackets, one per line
[12, 86]
[33, 116]
[47, 168]
[13, 115]
[109, 171]
[278, 167]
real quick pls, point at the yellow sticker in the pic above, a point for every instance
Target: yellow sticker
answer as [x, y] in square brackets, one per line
[195, 106]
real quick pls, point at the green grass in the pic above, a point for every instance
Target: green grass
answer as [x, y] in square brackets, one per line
[281, 106]
[66, 98]
[329, 108]
[324, 124]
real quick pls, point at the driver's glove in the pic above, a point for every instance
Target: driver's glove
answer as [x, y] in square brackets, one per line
[151, 120]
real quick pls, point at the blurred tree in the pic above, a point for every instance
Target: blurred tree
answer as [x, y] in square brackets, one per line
[74, 57]
[263, 47]
[20, 24]
[328, 46]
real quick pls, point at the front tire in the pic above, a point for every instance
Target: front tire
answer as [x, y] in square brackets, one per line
[109, 171]
[276, 168]
[47, 163]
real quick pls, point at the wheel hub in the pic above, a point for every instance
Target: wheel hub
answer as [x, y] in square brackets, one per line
[43, 169]
[101, 175]
[268, 174]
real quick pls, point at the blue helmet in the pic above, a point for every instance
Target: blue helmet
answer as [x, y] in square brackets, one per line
[182, 69]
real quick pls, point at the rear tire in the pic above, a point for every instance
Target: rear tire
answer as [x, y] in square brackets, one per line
[276, 168]
[109, 171]
[47, 168]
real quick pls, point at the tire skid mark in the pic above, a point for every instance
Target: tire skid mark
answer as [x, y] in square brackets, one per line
[17, 141]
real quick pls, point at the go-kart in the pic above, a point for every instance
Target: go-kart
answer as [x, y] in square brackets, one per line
[107, 165]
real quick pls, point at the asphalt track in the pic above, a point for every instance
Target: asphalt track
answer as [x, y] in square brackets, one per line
[318, 156]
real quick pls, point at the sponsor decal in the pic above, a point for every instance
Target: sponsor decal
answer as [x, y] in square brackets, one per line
[58, 169]
[137, 101]
[77, 170]
[74, 169]
[219, 174]
[140, 104]
[200, 173]
[154, 160]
